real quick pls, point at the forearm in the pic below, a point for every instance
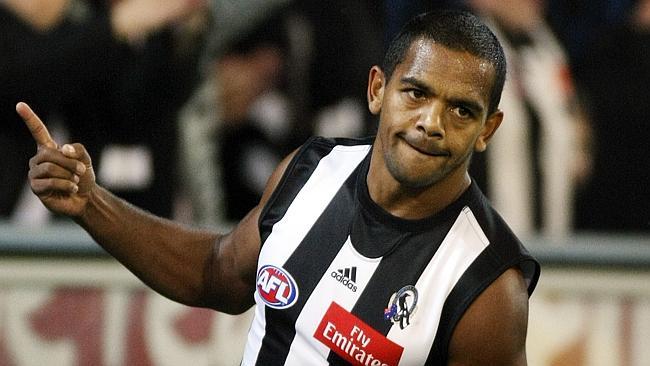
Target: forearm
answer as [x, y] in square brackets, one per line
[172, 259]
[194, 267]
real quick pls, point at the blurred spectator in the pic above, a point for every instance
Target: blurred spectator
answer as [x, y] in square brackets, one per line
[616, 75]
[540, 155]
[248, 144]
[287, 73]
[112, 74]
[341, 51]
[226, 149]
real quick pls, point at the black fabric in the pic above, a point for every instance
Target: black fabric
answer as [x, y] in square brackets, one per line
[405, 246]
[299, 169]
[496, 259]
[311, 254]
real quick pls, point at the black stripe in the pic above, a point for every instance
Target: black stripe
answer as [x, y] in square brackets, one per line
[407, 246]
[475, 279]
[307, 265]
[299, 170]
[403, 266]
[505, 251]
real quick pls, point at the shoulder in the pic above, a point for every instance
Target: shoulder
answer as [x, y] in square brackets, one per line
[339, 154]
[505, 249]
[493, 328]
[489, 307]
[315, 149]
[301, 163]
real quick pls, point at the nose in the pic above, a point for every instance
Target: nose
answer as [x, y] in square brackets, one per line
[430, 121]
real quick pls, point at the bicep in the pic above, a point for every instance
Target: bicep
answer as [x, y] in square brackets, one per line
[493, 329]
[234, 262]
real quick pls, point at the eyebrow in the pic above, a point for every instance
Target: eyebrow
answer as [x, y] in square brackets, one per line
[464, 102]
[417, 83]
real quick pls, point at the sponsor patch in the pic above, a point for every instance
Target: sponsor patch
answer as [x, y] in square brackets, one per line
[355, 341]
[276, 287]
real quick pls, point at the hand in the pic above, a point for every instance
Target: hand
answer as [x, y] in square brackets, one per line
[61, 177]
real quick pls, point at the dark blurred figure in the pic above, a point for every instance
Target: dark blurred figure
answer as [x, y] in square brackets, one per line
[235, 127]
[113, 74]
[296, 68]
[345, 38]
[616, 76]
[251, 68]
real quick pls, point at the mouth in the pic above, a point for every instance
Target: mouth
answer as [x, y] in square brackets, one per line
[426, 148]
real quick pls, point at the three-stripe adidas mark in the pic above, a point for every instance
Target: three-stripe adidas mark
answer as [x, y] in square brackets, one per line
[350, 273]
[347, 277]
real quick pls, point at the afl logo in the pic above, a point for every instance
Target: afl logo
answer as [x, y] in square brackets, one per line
[276, 287]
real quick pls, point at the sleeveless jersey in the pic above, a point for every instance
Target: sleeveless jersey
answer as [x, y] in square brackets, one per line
[341, 281]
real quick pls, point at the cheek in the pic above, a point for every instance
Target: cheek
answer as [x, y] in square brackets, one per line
[464, 138]
[388, 126]
[461, 148]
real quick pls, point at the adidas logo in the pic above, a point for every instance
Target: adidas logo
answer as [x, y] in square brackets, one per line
[347, 277]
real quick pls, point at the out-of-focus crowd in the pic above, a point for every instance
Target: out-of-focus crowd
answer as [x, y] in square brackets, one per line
[188, 105]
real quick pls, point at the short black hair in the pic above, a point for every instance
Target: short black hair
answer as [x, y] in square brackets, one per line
[457, 30]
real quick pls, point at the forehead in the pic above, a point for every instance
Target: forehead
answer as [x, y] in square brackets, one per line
[447, 70]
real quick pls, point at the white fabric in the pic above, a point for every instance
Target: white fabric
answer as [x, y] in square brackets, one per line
[287, 234]
[462, 245]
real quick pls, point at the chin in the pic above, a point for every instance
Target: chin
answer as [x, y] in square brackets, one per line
[418, 182]
[405, 177]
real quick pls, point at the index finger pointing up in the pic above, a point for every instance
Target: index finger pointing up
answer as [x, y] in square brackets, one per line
[36, 126]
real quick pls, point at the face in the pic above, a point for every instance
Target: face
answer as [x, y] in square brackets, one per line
[432, 114]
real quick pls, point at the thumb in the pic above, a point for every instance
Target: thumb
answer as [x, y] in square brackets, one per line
[76, 151]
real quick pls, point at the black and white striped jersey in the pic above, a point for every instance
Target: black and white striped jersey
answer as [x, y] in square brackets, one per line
[341, 281]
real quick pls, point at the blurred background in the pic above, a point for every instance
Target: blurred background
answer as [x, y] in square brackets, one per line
[186, 106]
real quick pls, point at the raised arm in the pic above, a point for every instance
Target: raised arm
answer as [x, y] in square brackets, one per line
[193, 267]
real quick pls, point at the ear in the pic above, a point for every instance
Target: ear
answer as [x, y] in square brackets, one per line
[491, 125]
[376, 83]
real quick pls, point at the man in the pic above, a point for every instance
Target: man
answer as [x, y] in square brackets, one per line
[347, 228]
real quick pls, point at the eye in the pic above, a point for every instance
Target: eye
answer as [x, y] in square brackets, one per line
[415, 94]
[462, 112]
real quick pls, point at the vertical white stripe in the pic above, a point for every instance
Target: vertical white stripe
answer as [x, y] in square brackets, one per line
[305, 350]
[288, 233]
[311, 201]
[464, 242]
